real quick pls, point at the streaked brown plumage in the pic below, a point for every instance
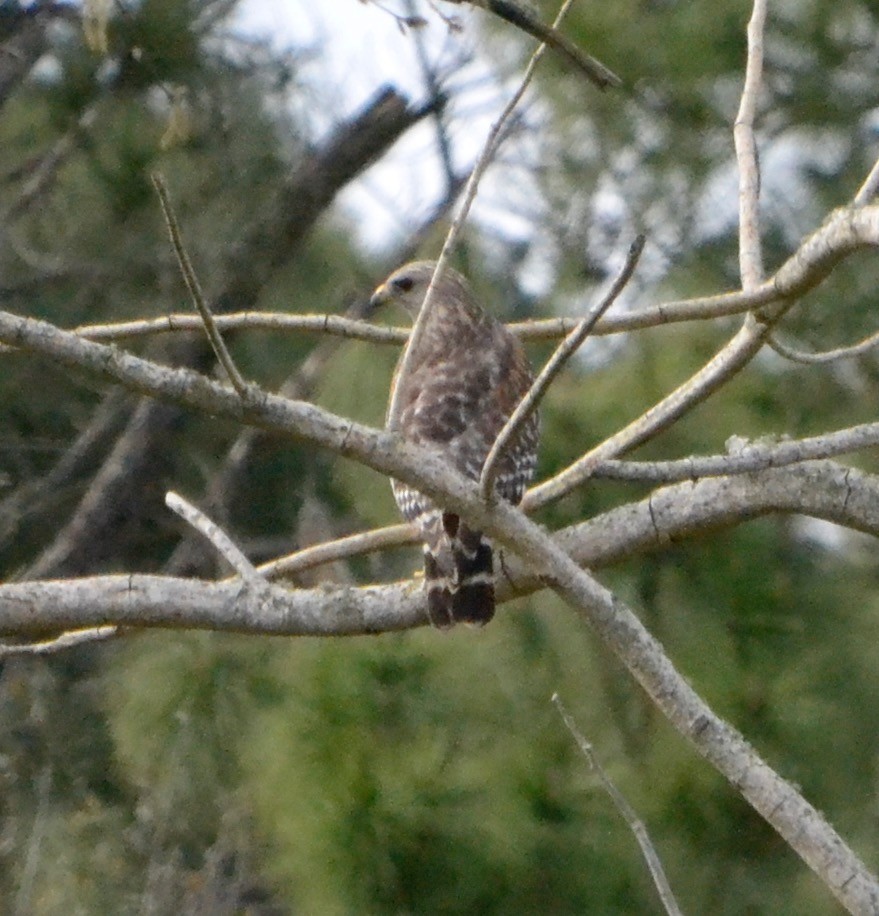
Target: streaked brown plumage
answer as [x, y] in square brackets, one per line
[463, 382]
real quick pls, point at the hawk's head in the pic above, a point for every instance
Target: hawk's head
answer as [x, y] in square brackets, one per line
[407, 286]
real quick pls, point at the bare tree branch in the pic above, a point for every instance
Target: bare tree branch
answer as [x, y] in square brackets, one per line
[745, 458]
[334, 325]
[869, 188]
[695, 508]
[636, 825]
[826, 356]
[519, 16]
[340, 549]
[88, 535]
[750, 256]
[669, 516]
[270, 611]
[843, 231]
[696, 309]
[60, 643]
[221, 541]
[489, 149]
[299, 385]
[218, 345]
[568, 347]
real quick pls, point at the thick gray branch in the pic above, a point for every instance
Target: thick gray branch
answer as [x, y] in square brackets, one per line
[797, 821]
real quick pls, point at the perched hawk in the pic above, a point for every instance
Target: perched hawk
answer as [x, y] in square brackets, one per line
[465, 379]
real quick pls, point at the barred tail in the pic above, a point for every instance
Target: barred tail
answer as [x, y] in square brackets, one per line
[473, 600]
[458, 572]
[439, 591]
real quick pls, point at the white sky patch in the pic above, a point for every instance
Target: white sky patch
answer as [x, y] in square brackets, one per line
[359, 48]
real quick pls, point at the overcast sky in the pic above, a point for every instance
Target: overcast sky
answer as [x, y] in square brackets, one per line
[360, 49]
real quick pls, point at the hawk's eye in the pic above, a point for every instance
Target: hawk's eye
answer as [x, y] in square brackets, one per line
[404, 284]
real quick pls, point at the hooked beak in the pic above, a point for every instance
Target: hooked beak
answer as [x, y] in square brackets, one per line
[379, 298]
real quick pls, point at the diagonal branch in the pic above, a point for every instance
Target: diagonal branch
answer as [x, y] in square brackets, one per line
[568, 347]
[488, 150]
[517, 15]
[844, 230]
[115, 494]
[870, 188]
[671, 515]
[636, 825]
[799, 823]
[753, 457]
[221, 541]
[218, 345]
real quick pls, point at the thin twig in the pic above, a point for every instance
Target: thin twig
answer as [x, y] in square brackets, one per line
[59, 643]
[526, 407]
[488, 150]
[189, 277]
[750, 255]
[825, 356]
[869, 188]
[212, 531]
[729, 360]
[300, 384]
[595, 71]
[747, 458]
[636, 825]
[434, 91]
[340, 549]
[801, 825]
[695, 309]
[335, 325]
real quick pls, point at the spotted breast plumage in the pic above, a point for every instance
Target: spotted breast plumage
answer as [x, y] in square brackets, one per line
[460, 386]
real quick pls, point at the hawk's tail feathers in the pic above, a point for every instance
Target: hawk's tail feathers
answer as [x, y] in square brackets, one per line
[458, 572]
[439, 592]
[472, 596]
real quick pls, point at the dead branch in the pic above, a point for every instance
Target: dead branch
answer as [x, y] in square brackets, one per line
[222, 543]
[595, 71]
[635, 824]
[670, 516]
[342, 548]
[270, 611]
[843, 231]
[750, 256]
[60, 643]
[489, 148]
[745, 458]
[568, 347]
[218, 345]
[826, 356]
[868, 190]
[139, 453]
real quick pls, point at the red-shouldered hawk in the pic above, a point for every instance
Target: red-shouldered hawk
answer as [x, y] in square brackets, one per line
[465, 379]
